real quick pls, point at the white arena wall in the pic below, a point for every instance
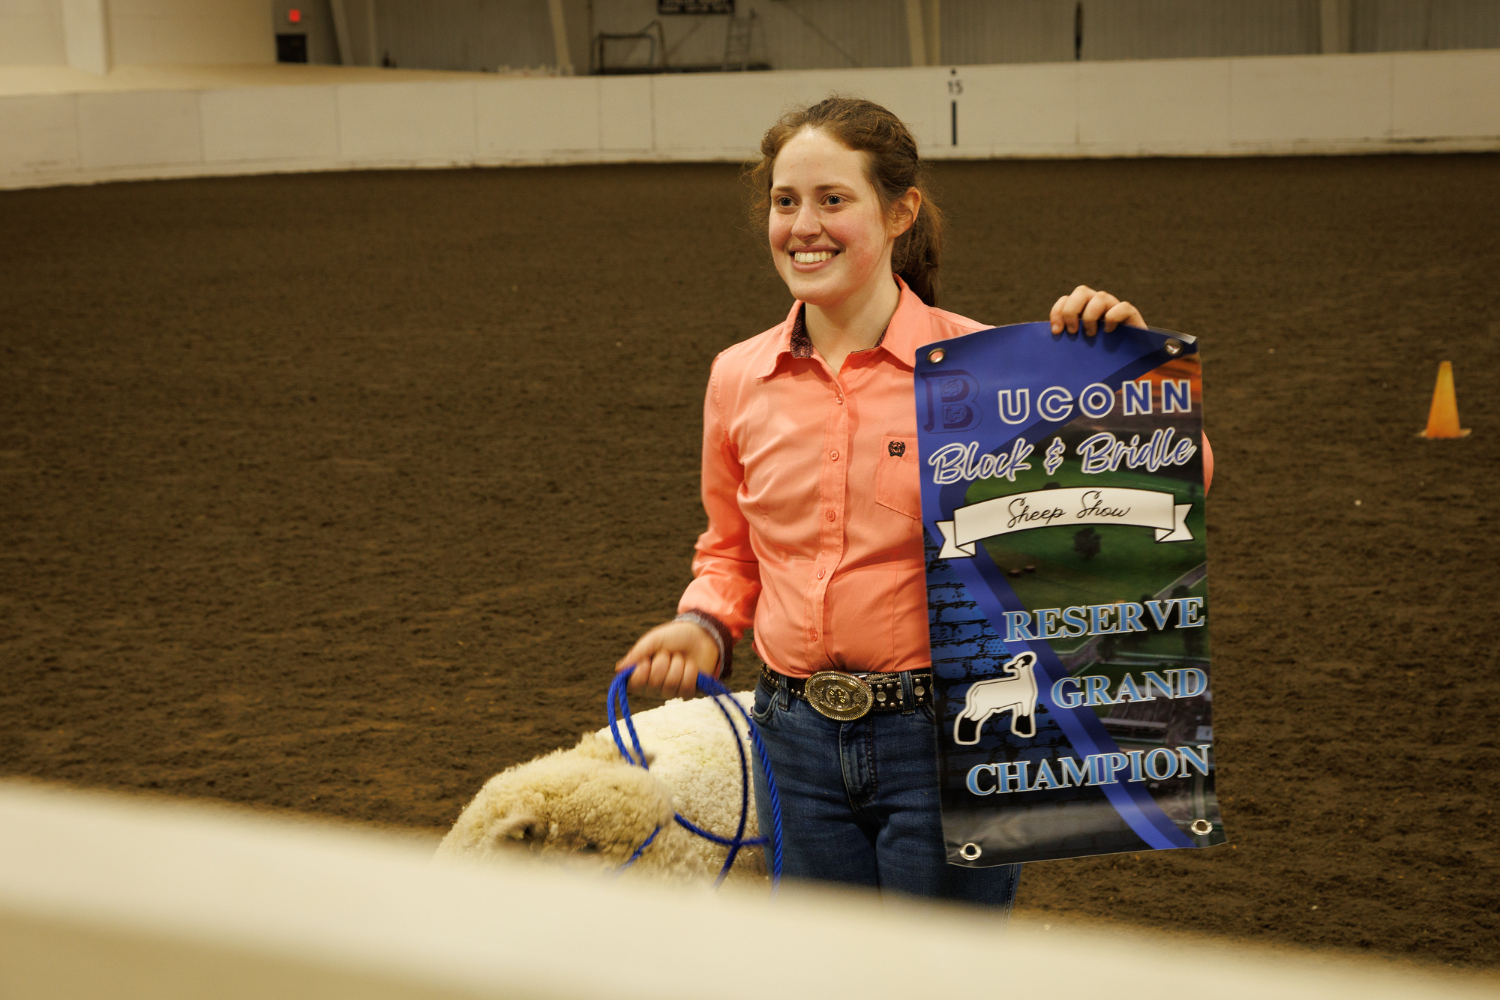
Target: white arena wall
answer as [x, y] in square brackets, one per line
[225, 120]
[122, 898]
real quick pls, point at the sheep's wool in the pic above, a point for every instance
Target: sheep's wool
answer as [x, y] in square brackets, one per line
[586, 806]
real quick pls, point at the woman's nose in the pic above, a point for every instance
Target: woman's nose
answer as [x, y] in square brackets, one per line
[806, 224]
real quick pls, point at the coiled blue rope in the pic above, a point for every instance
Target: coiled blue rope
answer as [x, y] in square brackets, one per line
[619, 708]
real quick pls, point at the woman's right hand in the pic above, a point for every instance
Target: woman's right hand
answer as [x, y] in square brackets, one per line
[1092, 311]
[669, 658]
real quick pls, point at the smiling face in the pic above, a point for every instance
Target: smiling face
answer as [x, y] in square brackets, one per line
[831, 238]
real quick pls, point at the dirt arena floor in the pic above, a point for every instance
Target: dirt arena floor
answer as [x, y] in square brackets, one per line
[338, 493]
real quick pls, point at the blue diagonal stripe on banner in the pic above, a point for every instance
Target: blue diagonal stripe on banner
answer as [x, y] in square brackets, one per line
[1084, 729]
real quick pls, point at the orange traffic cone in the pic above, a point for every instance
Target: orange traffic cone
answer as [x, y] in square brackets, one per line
[1442, 420]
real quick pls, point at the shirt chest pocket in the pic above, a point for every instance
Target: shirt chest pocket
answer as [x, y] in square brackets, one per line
[897, 483]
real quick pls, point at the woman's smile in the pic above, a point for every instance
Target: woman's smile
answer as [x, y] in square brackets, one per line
[812, 258]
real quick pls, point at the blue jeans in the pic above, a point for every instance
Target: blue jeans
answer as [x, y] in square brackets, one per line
[860, 802]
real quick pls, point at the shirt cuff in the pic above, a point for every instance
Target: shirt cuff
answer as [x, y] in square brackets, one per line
[717, 631]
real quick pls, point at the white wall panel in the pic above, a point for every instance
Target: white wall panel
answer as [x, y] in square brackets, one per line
[726, 112]
[120, 897]
[412, 122]
[730, 112]
[919, 97]
[626, 121]
[1208, 107]
[40, 134]
[270, 123]
[1343, 97]
[527, 117]
[1450, 95]
[1018, 109]
[194, 32]
[1157, 106]
[134, 128]
[31, 33]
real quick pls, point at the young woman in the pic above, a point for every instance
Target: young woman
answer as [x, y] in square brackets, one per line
[810, 481]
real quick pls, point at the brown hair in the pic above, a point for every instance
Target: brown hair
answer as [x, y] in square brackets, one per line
[891, 165]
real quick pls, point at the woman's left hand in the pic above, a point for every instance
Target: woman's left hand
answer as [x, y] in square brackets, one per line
[1086, 308]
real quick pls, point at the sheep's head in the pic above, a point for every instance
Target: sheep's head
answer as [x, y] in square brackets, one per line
[585, 805]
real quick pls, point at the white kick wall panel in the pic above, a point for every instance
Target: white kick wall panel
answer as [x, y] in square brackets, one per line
[138, 128]
[220, 123]
[919, 97]
[625, 117]
[120, 898]
[1018, 109]
[1156, 106]
[725, 113]
[409, 122]
[270, 123]
[1289, 100]
[529, 117]
[40, 134]
[1452, 95]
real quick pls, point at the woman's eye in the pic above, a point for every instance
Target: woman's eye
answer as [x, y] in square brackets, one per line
[835, 199]
[783, 202]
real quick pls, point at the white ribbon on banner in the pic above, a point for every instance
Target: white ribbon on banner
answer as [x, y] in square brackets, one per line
[1054, 508]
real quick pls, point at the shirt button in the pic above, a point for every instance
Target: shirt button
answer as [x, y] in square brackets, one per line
[814, 633]
[833, 455]
[840, 399]
[821, 571]
[831, 515]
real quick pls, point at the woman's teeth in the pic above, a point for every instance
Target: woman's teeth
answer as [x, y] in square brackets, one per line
[817, 257]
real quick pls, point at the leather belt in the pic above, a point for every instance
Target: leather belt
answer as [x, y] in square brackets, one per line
[848, 696]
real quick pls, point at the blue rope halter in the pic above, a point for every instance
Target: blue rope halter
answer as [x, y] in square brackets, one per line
[619, 707]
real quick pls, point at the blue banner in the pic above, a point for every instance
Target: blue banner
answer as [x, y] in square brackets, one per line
[1063, 501]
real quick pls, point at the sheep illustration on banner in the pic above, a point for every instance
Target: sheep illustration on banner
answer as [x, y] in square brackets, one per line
[1063, 502]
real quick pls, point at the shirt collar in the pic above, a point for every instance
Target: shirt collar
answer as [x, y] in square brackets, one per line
[910, 327]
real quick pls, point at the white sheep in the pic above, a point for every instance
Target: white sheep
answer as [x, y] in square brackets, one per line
[587, 806]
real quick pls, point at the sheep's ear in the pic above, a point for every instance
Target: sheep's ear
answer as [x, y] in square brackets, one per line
[511, 827]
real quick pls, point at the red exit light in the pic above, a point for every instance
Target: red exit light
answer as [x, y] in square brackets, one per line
[294, 15]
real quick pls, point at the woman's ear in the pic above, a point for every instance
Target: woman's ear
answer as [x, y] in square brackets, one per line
[904, 211]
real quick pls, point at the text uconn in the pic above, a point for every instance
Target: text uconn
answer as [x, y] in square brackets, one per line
[1097, 400]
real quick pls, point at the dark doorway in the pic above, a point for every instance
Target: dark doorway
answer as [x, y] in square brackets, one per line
[291, 48]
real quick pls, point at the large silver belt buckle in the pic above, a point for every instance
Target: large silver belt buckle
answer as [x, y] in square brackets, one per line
[838, 696]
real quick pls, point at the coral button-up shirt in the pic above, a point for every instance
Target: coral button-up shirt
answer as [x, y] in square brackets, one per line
[810, 481]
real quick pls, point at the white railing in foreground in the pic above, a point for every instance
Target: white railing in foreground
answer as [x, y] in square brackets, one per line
[1174, 107]
[105, 896]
